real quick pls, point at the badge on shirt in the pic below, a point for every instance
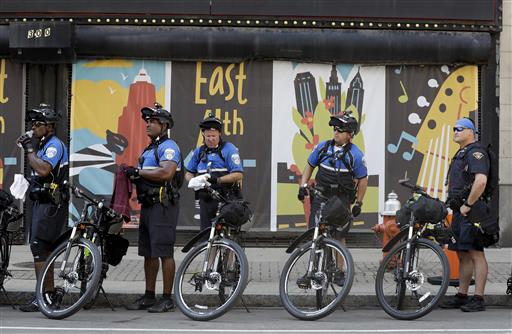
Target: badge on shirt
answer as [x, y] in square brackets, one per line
[169, 153]
[478, 155]
[236, 159]
[51, 152]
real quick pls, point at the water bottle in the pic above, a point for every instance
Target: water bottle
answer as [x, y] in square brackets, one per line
[29, 134]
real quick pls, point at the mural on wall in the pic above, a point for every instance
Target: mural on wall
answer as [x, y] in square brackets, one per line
[106, 125]
[12, 123]
[304, 98]
[275, 113]
[423, 104]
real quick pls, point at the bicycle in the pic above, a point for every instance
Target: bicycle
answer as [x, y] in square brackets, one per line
[214, 274]
[308, 287]
[402, 286]
[9, 217]
[80, 263]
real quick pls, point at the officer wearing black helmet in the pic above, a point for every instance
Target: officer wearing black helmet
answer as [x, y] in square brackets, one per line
[157, 178]
[48, 160]
[341, 172]
[222, 161]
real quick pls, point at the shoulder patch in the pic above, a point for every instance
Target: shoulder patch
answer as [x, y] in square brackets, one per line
[51, 151]
[236, 159]
[478, 155]
[169, 153]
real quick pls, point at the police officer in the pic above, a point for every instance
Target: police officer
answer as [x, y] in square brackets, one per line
[341, 172]
[466, 183]
[48, 161]
[222, 161]
[157, 179]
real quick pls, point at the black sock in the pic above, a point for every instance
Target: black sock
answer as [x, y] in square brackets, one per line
[149, 294]
[166, 296]
[462, 295]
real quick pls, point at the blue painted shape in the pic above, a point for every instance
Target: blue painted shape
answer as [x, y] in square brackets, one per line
[344, 70]
[97, 181]
[291, 178]
[249, 163]
[10, 161]
[82, 138]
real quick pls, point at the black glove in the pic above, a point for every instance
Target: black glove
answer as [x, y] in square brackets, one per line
[132, 172]
[213, 180]
[356, 209]
[303, 192]
[26, 143]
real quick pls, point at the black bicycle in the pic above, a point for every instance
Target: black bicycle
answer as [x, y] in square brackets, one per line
[214, 274]
[405, 284]
[319, 274]
[9, 223]
[73, 274]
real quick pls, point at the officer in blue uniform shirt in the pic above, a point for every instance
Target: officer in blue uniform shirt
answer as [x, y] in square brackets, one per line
[157, 179]
[49, 169]
[467, 180]
[341, 172]
[222, 161]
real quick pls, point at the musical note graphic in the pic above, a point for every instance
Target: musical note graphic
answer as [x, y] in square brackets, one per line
[399, 70]
[403, 98]
[392, 148]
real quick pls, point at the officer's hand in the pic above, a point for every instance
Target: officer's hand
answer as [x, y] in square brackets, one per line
[303, 192]
[26, 142]
[464, 210]
[356, 209]
[132, 172]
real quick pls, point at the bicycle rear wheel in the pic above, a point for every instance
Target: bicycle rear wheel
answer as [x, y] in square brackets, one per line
[4, 257]
[206, 295]
[316, 296]
[74, 285]
[412, 296]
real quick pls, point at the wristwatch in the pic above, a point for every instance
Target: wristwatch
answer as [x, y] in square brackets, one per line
[467, 204]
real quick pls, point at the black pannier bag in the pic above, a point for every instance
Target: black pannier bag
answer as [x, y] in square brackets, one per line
[486, 223]
[335, 212]
[115, 248]
[236, 212]
[428, 210]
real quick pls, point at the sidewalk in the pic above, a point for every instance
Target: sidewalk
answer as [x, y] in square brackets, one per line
[126, 281]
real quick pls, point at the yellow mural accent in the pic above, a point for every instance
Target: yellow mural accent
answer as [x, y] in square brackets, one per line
[456, 98]
[119, 63]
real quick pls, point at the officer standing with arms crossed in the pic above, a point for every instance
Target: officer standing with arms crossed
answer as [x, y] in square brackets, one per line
[157, 181]
[341, 172]
[49, 165]
[222, 161]
[467, 181]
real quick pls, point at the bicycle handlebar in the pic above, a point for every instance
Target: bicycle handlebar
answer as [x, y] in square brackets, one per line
[317, 192]
[99, 204]
[414, 187]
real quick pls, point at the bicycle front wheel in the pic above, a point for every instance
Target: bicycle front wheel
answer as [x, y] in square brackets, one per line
[207, 294]
[69, 279]
[314, 295]
[411, 296]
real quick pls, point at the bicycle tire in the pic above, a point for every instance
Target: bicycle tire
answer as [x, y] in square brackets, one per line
[412, 308]
[4, 257]
[203, 312]
[286, 276]
[90, 268]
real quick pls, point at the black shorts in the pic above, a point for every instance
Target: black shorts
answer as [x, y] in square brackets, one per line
[340, 232]
[47, 223]
[466, 235]
[157, 230]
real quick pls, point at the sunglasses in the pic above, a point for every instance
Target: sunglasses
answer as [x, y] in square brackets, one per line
[38, 124]
[339, 129]
[458, 129]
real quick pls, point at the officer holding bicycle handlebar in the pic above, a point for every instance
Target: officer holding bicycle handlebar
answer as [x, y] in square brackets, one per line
[341, 172]
[157, 178]
[48, 161]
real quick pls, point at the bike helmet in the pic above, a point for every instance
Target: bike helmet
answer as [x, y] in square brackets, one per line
[159, 113]
[211, 122]
[43, 113]
[345, 123]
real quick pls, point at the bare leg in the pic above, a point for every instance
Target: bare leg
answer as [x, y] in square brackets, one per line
[480, 264]
[465, 271]
[151, 266]
[168, 270]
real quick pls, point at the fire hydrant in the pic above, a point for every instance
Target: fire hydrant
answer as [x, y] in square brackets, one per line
[389, 227]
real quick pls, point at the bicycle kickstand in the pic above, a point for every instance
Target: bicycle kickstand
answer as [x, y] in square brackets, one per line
[108, 300]
[7, 297]
[243, 303]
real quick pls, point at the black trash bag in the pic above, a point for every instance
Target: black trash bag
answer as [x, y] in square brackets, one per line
[236, 212]
[335, 212]
[428, 210]
[115, 248]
